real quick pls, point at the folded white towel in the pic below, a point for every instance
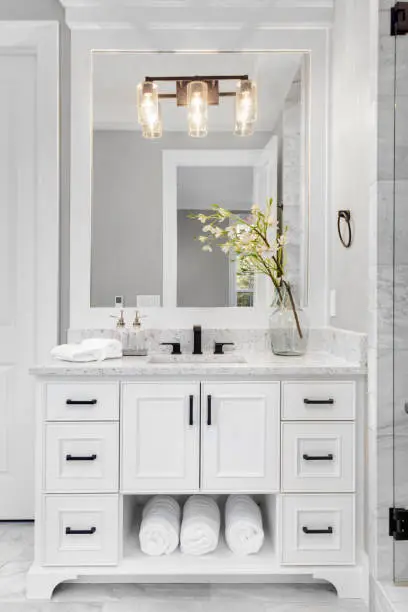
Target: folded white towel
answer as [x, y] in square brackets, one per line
[92, 349]
[243, 525]
[200, 528]
[160, 528]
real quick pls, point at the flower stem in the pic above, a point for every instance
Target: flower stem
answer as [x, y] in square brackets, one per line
[292, 303]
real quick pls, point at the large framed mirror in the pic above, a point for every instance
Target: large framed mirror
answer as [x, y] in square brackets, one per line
[145, 189]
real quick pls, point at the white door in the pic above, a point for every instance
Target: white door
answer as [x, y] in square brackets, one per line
[160, 437]
[27, 215]
[240, 437]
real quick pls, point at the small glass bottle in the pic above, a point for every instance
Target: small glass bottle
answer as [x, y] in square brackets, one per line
[139, 344]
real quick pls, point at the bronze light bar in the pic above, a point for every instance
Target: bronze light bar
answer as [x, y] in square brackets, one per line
[181, 86]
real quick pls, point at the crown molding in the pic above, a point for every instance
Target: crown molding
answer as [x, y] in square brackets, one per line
[203, 14]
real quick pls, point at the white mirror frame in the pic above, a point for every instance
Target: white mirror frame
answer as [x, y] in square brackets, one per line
[313, 41]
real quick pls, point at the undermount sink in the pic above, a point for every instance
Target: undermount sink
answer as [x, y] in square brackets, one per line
[191, 359]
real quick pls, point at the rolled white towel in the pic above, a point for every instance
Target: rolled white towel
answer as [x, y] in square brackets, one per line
[91, 349]
[243, 525]
[160, 528]
[200, 528]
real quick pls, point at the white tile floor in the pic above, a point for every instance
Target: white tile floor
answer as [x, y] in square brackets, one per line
[16, 551]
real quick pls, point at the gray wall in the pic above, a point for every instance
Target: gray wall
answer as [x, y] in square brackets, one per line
[127, 178]
[51, 10]
[203, 278]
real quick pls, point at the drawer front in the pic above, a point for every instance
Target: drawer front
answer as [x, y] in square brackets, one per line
[318, 401]
[318, 457]
[81, 530]
[82, 457]
[82, 401]
[318, 530]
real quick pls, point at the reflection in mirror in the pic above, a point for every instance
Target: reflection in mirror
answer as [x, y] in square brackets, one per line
[133, 247]
[210, 279]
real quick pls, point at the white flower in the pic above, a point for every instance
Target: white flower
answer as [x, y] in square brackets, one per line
[270, 220]
[225, 248]
[255, 208]
[207, 228]
[202, 218]
[207, 247]
[218, 232]
[202, 238]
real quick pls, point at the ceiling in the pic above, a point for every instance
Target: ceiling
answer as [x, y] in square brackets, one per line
[150, 14]
[115, 76]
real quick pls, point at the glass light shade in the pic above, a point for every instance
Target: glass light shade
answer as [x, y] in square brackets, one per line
[153, 130]
[147, 103]
[246, 102]
[197, 102]
[244, 129]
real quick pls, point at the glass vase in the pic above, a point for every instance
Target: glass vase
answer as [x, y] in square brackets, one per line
[288, 326]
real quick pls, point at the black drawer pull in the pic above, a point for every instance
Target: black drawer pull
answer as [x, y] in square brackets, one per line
[327, 531]
[78, 458]
[209, 410]
[309, 402]
[191, 415]
[91, 402]
[70, 531]
[328, 457]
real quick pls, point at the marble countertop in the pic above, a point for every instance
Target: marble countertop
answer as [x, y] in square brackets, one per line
[256, 365]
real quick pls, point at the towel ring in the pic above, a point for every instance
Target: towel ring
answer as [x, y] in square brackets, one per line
[344, 215]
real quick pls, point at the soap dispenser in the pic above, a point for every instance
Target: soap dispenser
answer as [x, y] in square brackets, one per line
[122, 333]
[139, 340]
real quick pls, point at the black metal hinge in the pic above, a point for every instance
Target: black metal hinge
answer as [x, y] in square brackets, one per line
[399, 19]
[398, 523]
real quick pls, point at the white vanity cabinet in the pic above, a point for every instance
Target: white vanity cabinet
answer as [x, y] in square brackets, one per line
[106, 444]
[160, 437]
[240, 437]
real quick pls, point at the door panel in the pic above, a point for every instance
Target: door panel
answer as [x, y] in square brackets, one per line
[240, 437]
[18, 217]
[160, 437]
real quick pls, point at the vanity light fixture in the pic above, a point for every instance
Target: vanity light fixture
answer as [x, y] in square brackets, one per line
[197, 93]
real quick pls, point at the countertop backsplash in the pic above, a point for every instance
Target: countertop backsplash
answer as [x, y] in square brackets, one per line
[348, 345]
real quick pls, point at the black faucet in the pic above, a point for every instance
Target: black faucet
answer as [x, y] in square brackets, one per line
[197, 340]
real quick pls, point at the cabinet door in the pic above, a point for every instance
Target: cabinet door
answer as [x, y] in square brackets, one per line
[240, 437]
[160, 437]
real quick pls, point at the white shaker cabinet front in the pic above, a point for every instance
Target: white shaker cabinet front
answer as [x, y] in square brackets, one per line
[240, 437]
[160, 437]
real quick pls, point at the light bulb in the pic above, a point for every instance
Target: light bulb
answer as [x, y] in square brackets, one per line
[246, 103]
[155, 129]
[147, 103]
[197, 102]
[244, 129]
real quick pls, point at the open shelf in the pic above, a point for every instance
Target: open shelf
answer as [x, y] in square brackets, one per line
[221, 562]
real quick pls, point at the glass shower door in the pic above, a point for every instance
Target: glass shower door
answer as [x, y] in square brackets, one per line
[398, 220]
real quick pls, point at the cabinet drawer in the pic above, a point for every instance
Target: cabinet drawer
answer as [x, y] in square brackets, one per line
[82, 401]
[318, 529]
[318, 457]
[318, 401]
[82, 457]
[81, 530]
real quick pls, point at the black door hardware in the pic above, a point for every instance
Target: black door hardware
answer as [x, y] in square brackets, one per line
[219, 347]
[308, 531]
[91, 402]
[191, 418]
[398, 523]
[78, 458]
[209, 409]
[309, 402]
[176, 347]
[70, 531]
[399, 19]
[329, 457]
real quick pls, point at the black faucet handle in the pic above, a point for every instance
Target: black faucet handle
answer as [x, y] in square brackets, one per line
[219, 347]
[176, 347]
